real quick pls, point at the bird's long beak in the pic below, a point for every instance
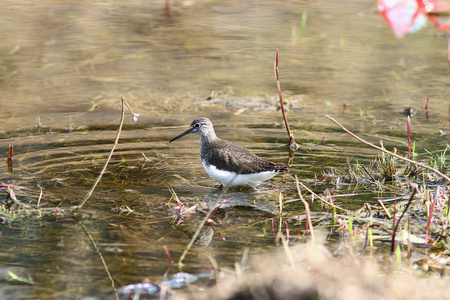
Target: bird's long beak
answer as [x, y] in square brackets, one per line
[183, 134]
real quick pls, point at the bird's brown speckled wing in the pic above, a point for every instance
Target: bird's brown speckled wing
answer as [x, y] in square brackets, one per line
[234, 158]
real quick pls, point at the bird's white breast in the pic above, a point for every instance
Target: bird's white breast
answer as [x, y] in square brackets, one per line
[230, 179]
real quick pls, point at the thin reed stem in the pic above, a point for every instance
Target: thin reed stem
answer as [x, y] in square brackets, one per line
[308, 211]
[116, 142]
[292, 145]
[320, 198]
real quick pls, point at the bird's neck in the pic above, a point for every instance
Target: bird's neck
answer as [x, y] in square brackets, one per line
[208, 138]
[207, 141]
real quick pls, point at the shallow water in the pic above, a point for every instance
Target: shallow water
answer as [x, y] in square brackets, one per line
[65, 65]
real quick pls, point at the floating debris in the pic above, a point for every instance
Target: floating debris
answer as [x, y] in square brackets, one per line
[139, 289]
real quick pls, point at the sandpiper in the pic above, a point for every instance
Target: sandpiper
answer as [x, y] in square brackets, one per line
[228, 163]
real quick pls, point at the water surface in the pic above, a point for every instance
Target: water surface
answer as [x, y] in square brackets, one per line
[65, 65]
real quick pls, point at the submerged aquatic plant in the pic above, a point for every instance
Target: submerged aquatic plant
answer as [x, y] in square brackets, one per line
[28, 280]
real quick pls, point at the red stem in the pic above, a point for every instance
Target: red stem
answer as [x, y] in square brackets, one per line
[408, 125]
[287, 231]
[166, 251]
[430, 217]
[399, 219]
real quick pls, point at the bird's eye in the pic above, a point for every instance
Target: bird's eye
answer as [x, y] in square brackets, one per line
[197, 125]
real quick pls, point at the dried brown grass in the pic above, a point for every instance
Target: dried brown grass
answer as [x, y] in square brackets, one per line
[317, 274]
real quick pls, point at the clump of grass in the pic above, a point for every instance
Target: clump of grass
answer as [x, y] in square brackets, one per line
[15, 207]
[387, 166]
[411, 170]
[438, 160]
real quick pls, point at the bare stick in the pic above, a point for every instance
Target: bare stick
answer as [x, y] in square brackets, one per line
[320, 198]
[308, 212]
[116, 142]
[384, 208]
[292, 145]
[389, 152]
[40, 197]
[135, 116]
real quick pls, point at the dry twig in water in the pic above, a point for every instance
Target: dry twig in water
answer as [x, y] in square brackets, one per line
[308, 212]
[292, 145]
[89, 193]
